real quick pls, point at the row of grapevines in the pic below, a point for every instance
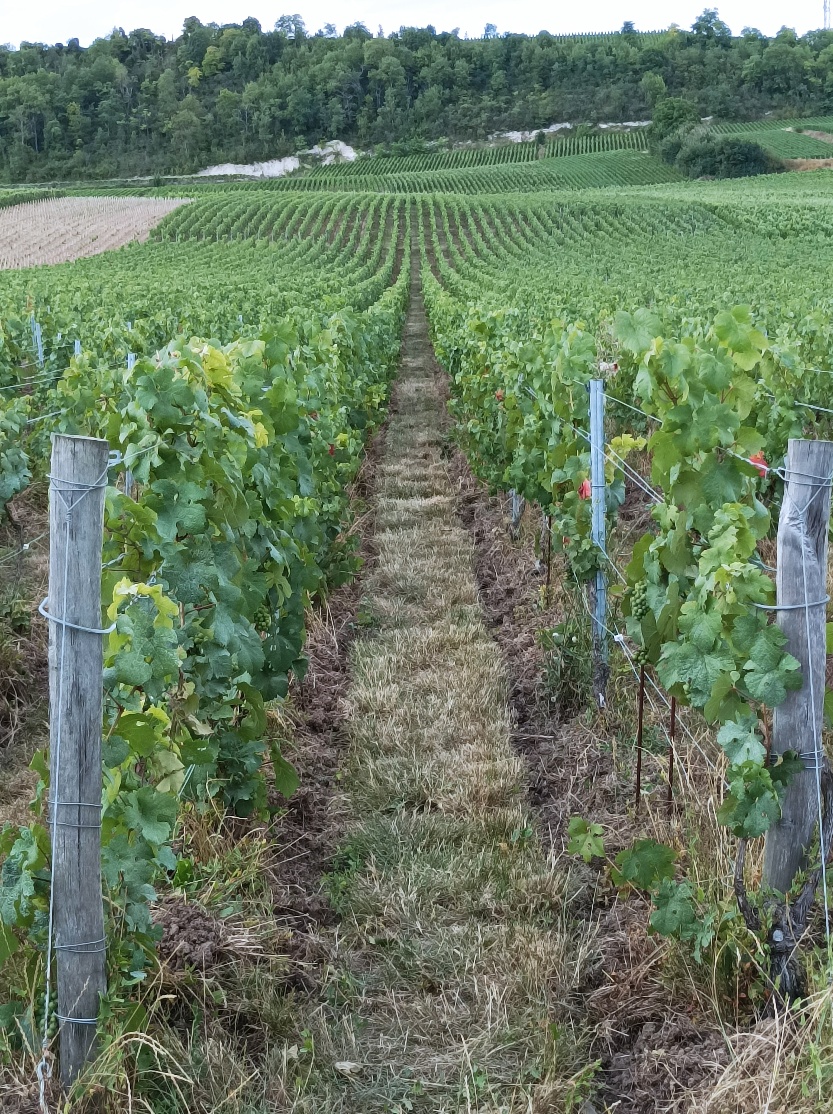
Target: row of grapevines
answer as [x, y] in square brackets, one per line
[610, 168]
[242, 455]
[718, 390]
[327, 251]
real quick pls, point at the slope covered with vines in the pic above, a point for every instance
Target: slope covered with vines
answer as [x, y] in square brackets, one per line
[237, 367]
[710, 323]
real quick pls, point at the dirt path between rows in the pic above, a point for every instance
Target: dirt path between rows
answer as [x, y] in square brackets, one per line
[449, 979]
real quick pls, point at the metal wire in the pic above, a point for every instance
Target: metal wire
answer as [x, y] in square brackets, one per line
[31, 382]
[790, 606]
[619, 640]
[636, 409]
[806, 405]
[617, 461]
[72, 626]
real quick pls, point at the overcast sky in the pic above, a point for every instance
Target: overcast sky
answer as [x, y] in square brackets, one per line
[58, 20]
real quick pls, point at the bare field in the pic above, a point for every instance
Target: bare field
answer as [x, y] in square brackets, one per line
[809, 164]
[66, 228]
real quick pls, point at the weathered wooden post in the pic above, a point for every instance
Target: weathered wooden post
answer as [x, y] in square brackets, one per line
[518, 504]
[76, 497]
[801, 582]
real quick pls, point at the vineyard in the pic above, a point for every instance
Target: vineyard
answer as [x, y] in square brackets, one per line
[497, 155]
[36, 232]
[786, 138]
[626, 167]
[445, 659]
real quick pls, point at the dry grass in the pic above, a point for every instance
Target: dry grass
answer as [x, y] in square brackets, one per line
[65, 228]
[825, 137]
[455, 963]
[783, 1065]
[808, 164]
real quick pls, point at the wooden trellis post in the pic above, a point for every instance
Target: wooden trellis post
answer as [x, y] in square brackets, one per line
[801, 593]
[73, 607]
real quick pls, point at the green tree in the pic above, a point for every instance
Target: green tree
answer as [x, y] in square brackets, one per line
[670, 115]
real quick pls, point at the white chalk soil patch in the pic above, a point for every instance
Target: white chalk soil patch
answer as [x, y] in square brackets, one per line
[324, 155]
[553, 129]
[67, 228]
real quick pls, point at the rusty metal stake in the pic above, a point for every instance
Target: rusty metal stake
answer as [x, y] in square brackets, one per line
[671, 738]
[549, 560]
[639, 722]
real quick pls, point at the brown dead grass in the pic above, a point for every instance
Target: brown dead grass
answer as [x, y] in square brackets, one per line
[455, 970]
[825, 137]
[809, 164]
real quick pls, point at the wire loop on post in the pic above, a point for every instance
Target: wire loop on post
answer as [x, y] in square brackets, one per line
[812, 759]
[73, 485]
[790, 606]
[786, 475]
[72, 626]
[84, 947]
[54, 822]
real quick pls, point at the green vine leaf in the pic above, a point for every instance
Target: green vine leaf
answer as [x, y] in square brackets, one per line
[675, 913]
[771, 672]
[586, 838]
[150, 813]
[740, 741]
[645, 865]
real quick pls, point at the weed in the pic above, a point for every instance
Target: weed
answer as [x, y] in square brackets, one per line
[568, 664]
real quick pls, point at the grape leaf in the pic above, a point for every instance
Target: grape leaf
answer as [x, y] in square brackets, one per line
[645, 865]
[585, 838]
[150, 813]
[740, 741]
[675, 913]
[684, 667]
[636, 331]
[770, 671]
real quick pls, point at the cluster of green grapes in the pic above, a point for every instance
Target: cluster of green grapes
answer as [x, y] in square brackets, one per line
[37, 1017]
[262, 619]
[639, 600]
[639, 609]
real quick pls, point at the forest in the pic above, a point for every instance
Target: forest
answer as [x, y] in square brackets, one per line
[136, 103]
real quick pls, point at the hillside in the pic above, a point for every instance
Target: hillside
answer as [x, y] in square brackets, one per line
[370, 840]
[136, 103]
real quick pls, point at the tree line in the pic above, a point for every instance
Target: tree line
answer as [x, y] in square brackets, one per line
[136, 103]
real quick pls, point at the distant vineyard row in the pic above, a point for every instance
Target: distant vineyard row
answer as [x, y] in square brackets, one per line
[500, 154]
[569, 172]
[782, 138]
